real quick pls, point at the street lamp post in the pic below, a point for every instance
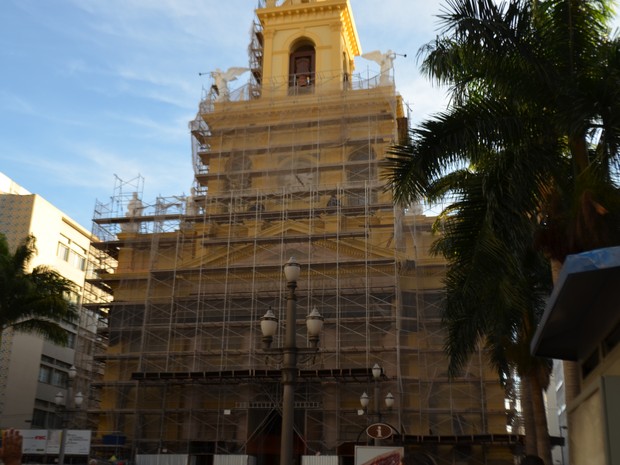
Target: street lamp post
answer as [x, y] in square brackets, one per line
[289, 351]
[377, 371]
[68, 408]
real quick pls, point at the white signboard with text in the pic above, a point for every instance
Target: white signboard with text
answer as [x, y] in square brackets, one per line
[42, 441]
[34, 441]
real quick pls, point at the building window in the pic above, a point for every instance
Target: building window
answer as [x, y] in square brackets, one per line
[77, 260]
[63, 251]
[45, 374]
[362, 168]
[70, 340]
[302, 67]
[71, 253]
[238, 168]
[44, 419]
[39, 418]
[59, 378]
[74, 297]
[56, 375]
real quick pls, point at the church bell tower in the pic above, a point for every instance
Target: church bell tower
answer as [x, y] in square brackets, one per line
[307, 44]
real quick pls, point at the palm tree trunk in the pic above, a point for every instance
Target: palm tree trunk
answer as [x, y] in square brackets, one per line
[570, 370]
[579, 151]
[572, 382]
[543, 442]
[528, 417]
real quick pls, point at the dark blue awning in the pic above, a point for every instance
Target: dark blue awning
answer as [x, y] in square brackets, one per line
[584, 306]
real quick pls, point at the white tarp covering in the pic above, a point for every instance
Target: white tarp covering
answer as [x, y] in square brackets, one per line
[234, 460]
[319, 460]
[162, 459]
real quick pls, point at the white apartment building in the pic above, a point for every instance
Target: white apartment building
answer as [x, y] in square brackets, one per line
[33, 370]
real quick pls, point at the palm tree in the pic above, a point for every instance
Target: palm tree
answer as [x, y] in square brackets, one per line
[33, 302]
[528, 144]
[496, 284]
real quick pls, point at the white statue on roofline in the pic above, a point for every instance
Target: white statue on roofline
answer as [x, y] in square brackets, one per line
[222, 78]
[385, 61]
[134, 209]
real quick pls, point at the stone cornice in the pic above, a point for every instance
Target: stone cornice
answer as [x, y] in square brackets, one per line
[304, 10]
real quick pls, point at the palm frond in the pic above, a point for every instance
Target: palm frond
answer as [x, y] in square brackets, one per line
[35, 301]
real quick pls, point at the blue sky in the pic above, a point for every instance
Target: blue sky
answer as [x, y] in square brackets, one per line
[90, 89]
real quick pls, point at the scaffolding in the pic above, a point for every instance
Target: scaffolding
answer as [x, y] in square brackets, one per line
[280, 176]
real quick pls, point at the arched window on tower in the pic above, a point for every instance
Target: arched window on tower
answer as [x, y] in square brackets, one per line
[238, 170]
[361, 173]
[302, 67]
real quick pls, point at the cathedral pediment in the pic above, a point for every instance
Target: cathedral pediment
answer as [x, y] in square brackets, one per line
[308, 242]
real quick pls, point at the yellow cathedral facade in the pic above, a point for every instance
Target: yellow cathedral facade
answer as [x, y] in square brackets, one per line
[287, 165]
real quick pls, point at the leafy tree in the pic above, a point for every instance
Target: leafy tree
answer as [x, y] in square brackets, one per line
[36, 301]
[529, 148]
